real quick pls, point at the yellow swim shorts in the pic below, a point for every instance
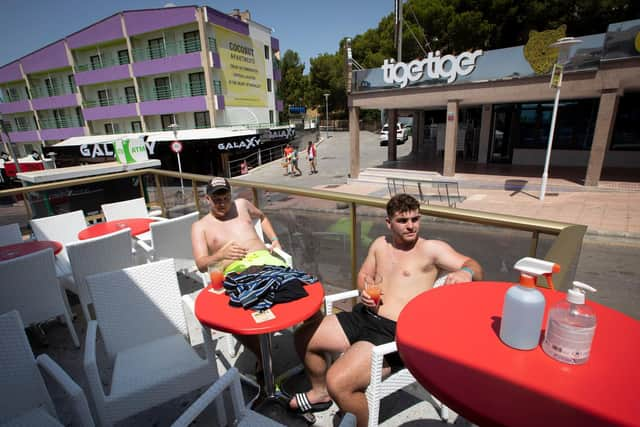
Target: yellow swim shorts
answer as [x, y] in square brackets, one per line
[261, 257]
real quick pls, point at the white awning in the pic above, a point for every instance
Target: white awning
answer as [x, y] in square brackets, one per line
[164, 136]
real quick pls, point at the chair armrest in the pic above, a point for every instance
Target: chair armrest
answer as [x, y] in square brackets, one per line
[288, 259]
[330, 299]
[90, 363]
[79, 404]
[231, 379]
[145, 246]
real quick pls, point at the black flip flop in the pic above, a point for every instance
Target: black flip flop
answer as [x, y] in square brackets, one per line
[304, 406]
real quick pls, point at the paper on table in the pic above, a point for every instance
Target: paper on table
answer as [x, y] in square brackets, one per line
[263, 316]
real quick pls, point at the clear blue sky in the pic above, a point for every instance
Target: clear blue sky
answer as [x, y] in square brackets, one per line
[309, 28]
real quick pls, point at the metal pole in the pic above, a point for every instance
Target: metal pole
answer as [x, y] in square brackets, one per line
[545, 173]
[326, 103]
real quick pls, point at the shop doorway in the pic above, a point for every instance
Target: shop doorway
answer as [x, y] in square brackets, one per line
[501, 134]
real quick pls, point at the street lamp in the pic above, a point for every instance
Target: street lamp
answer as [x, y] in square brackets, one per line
[174, 127]
[563, 45]
[326, 103]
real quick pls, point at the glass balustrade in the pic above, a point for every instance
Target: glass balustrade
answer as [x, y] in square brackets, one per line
[183, 91]
[102, 63]
[166, 49]
[46, 91]
[60, 122]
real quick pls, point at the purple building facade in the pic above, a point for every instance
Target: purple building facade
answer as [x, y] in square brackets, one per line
[140, 71]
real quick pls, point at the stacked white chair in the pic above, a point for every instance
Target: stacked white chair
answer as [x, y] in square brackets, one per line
[10, 234]
[105, 253]
[380, 388]
[143, 328]
[24, 398]
[63, 228]
[29, 284]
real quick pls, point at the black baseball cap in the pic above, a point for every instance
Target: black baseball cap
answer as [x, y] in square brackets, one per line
[218, 184]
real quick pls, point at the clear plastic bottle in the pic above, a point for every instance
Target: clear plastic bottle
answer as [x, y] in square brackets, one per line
[571, 325]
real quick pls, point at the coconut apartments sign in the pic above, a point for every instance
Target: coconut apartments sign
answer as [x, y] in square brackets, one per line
[447, 67]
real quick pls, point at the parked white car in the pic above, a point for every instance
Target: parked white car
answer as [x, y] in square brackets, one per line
[402, 134]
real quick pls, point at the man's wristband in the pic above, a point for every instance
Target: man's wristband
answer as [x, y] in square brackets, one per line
[468, 270]
[274, 239]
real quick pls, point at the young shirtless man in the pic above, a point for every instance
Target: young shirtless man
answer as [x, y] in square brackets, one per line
[225, 237]
[408, 265]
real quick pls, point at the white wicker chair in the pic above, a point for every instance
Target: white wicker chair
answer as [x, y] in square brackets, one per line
[105, 253]
[63, 228]
[378, 387]
[142, 324]
[29, 284]
[133, 208]
[10, 234]
[24, 398]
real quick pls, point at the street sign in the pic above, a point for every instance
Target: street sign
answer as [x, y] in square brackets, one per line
[176, 146]
[297, 110]
[556, 76]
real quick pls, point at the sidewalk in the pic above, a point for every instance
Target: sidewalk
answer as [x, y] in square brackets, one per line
[611, 209]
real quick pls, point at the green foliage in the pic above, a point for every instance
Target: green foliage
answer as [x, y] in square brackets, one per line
[540, 56]
[294, 85]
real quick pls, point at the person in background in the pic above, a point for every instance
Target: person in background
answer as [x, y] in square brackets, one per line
[398, 267]
[312, 156]
[295, 156]
[288, 151]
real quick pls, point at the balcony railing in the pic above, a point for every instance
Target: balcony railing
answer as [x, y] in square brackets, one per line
[334, 251]
[54, 90]
[103, 63]
[158, 94]
[13, 97]
[217, 87]
[109, 102]
[213, 44]
[168, 49]
[60, 123]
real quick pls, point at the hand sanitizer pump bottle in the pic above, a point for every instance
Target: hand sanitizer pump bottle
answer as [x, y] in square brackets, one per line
[571, 325]
[523, 307]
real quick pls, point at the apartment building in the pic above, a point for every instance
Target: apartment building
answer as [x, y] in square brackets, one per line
[143, 71]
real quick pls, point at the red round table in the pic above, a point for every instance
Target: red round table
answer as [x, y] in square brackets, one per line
[19, 249]
[449, 340]
[214, 311]
[137, 226]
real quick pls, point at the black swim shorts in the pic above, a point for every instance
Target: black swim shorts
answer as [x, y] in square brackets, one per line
[361, 324]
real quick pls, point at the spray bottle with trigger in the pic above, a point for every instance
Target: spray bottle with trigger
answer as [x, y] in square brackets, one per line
[523, 307]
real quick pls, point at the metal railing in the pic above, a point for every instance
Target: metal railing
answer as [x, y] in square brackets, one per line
[54, 90]
[167, 49]
[184, 91]
[564, 249]
[256, 159]
[59, 123]
[109, 102]
[103, 63]
[213, 44]
[13, 97]
[217, 87]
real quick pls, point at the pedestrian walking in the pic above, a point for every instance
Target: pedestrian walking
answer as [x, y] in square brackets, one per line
[312, 156]
[295, 155]
[288, 152]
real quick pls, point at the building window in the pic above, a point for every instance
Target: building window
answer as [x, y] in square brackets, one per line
[123, 57]
[156, 48]
[96, 62]
[60, 118]
[79, 116]
[271, 116]
[191, 41]
[202, 119]
[111, 128]
[626, 134]
[166, 119]
[51, 85]
[26, 91]
[268, 85]
[104, 97]
[130, 94]
[7, 126]
[217, 87]
[12, 94]
[72, 83]
[266, 52]
[196, 84]
[21, 123]
[162, 87]
[136, 126]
